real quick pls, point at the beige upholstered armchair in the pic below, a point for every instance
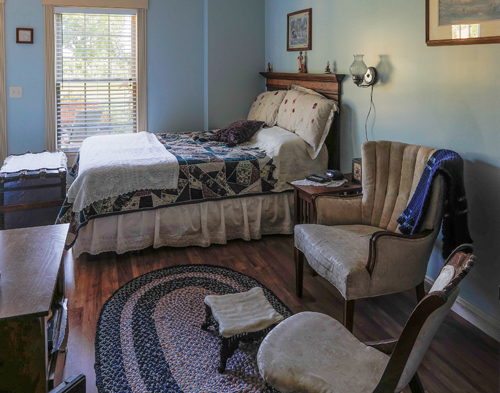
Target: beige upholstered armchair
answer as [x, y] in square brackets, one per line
[313, 353]
[355, 243]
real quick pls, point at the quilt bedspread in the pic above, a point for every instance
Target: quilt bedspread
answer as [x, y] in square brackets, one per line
[207, 171]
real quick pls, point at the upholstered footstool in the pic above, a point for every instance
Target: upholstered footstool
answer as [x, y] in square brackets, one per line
[239, 317]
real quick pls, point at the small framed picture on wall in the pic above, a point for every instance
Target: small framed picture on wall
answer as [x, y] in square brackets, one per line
[299, 36]
[24, 35]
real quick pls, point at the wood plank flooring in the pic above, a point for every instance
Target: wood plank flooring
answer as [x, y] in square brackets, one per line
[460, 359]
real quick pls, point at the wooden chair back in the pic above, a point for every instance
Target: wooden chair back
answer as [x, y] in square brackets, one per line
[425, 321]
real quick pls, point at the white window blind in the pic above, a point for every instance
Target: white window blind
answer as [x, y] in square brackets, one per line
[96, 76]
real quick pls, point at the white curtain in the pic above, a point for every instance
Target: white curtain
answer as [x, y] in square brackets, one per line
[3, 89]
[50, 81]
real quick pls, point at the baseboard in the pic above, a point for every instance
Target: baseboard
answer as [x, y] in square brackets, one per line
[473, 314]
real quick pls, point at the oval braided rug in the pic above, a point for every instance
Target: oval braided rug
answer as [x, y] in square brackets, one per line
[149, 336]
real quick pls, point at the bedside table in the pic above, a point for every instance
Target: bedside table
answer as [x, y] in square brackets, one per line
[303, 196]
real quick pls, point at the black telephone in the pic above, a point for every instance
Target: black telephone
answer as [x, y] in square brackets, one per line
[330, 175]
[318, 178]
[334, 175]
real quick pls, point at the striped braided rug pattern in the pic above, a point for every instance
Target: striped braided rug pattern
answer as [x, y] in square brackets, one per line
[149, 336]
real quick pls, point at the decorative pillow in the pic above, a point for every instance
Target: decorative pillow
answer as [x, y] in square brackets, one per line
[305, 90]
[307, 115]
[237, 132]
[311, 91]
[266, 106]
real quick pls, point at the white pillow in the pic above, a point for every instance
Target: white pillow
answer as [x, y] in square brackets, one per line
[266, 106]
[311, 91]
[307, 115]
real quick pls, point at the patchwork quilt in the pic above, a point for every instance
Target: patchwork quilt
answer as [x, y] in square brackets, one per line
[207, 171]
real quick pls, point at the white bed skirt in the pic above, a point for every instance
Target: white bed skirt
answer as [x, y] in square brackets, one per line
[199, 224]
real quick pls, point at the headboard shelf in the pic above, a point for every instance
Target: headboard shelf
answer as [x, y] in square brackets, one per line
[327, 84]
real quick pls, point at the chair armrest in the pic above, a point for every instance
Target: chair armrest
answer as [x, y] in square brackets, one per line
[385, 241]
[337, 210]
[398, 262]
[384, 346]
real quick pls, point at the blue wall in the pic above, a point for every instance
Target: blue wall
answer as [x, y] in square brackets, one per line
[25, 67]
[235, 34]
[175, 65]
[175, 70]
[198, 50]
[445, 97]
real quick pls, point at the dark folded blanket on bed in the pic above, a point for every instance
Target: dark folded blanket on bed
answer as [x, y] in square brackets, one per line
[207, 171]
[455, 225]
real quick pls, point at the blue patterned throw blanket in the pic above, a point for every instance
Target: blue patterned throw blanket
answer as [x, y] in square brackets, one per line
[455, 225]
[207, 171]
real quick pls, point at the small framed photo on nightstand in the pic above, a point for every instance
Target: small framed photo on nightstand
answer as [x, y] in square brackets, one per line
[356, 170]
[24, 35]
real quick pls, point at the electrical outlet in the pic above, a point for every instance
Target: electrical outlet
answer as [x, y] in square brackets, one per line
[16, 92]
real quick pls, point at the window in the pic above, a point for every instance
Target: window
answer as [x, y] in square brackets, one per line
[465, 31]
[96, 75]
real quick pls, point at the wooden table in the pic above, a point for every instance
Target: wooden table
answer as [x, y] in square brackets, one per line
[32, 281]
[303, 196]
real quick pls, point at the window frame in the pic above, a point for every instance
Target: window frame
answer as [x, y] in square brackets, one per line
[50, 62]
[97, 99]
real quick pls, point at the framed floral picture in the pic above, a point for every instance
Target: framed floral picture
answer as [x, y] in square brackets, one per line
[24, 35]
[299, 36]
[462, 22]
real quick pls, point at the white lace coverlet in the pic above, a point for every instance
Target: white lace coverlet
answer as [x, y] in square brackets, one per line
[112, 165]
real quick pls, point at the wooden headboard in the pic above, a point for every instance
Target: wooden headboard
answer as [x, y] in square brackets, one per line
[327, 84]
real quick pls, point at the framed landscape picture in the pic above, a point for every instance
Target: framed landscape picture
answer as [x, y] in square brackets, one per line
[299, 25]
[462, 22]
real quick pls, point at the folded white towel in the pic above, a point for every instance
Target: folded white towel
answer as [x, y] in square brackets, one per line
[34, 162]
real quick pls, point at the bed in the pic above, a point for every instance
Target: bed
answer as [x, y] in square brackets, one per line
[223, 192]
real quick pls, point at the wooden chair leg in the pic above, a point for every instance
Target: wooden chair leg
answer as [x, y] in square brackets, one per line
[416, 385]
[349, 314]
[299, 271]
[420, 290]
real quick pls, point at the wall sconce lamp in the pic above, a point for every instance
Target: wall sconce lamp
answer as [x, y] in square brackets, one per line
[362, 75]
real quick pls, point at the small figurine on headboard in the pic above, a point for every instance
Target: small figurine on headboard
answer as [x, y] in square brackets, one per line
[302, 64]
[327, 69]
[300, 59]
[269, 68]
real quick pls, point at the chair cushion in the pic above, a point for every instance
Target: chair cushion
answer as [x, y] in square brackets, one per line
[313, 353]
[339, 254]
[244, 312]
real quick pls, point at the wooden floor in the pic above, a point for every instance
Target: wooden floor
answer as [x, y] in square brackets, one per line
[460, 359]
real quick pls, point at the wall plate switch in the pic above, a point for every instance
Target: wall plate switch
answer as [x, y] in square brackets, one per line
[16, 92]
